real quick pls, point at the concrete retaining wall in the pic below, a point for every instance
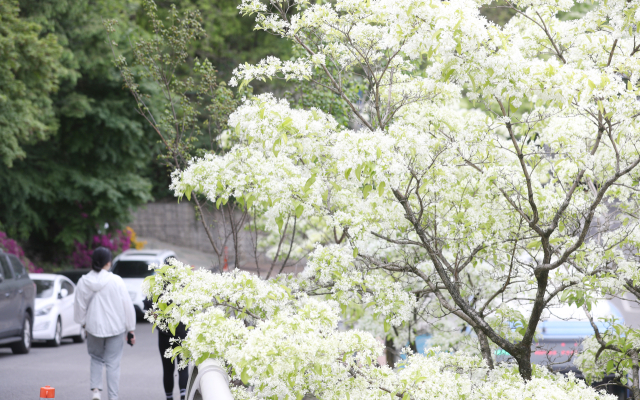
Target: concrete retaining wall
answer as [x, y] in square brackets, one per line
[172, 223]
[176, 223]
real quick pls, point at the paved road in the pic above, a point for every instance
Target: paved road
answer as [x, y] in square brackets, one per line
[67, 369]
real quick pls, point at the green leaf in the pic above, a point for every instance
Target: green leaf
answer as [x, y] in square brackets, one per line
[310, 182]
[299, 210]
[279, 221]
[512, 107]
[381, 189]
[534, 245]
[610, 366]
[366, 190]
[244, 376]
[355, 252]
[347, 173]
[286, 123]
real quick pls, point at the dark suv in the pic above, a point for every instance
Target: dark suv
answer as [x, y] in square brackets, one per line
[17, 294]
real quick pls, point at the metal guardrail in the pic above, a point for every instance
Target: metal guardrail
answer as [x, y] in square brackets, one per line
[208, 381]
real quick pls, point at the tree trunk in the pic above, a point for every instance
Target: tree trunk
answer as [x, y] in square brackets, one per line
[635, 375]
[390, 352]
[524, 364]
[485, 348]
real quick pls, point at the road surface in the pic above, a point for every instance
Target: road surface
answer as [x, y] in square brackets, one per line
[66, 368]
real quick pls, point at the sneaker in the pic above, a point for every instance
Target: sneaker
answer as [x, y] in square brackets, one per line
[95, 394]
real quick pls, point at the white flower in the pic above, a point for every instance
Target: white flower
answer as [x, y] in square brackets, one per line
[318, 59]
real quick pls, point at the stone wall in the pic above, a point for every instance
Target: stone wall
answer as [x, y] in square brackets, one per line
[176, 223]
[171, 222]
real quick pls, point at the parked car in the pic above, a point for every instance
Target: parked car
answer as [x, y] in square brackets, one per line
[54, 310]
[133, 266]
[17, 294]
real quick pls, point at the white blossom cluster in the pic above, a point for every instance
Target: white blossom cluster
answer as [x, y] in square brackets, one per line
[494, 160]
[292, 346]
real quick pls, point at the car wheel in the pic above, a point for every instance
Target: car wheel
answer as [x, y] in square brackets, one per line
[24, 345]
[81, 337]
[57, 336]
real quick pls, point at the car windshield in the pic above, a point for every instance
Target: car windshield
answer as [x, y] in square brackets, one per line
[132, 269]
[44, 288]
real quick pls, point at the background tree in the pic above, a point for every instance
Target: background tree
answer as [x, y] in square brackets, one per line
[101, 157]
[30, 70]
[193, 108]
[95, 168]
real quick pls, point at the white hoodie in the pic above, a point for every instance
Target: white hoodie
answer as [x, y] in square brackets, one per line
[103, 304]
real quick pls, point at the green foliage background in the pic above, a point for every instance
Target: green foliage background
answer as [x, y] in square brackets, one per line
[74, 154]
[30, 69]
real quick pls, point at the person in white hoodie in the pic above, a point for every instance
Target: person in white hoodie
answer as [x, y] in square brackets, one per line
[103, 306]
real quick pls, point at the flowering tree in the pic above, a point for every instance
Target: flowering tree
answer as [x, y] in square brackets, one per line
[616, 350]
[488, 177]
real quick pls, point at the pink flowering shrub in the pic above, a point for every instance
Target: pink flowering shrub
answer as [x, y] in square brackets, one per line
[10, 246]
[117, 243]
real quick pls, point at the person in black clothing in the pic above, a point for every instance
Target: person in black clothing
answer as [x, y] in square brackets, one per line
[168, 366]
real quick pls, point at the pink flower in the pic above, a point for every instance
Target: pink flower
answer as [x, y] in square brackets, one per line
[12, 247]
[81, 257]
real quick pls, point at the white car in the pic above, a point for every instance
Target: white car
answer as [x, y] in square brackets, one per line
[133, 266]
[54, 310]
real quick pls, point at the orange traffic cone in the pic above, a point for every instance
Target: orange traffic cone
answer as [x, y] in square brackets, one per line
[47, 392]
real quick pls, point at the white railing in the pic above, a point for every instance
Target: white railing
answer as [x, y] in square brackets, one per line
[208, 381]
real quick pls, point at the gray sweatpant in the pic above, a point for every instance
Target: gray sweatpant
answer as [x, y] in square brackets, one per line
[106, 351]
